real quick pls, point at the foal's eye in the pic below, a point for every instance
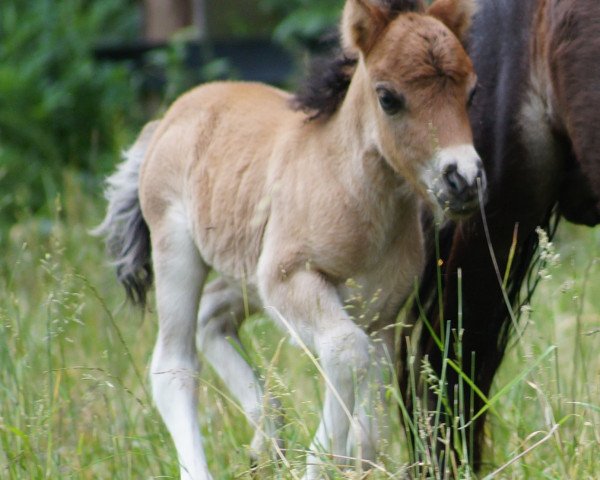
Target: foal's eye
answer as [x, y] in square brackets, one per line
[471, 96]
[391, 102]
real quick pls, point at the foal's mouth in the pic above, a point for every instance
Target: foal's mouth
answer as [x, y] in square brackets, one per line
[459, 209]
[463, 205]
[459, 194]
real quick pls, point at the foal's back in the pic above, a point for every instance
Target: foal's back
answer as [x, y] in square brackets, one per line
[209, 160]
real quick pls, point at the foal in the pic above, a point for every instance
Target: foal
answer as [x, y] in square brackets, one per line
[236, 180]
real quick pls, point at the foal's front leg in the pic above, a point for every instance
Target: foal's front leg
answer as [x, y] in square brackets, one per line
[306, 303]
[371, 410]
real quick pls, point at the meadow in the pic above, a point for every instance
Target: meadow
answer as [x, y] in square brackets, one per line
[74, 356]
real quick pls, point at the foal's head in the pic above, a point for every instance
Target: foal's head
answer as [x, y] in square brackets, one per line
[417, 84]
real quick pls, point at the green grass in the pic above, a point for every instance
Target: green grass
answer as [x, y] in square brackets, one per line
[564, 389]
[74, 399]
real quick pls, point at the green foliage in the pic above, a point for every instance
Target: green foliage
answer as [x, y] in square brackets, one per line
[303, 20]
[58, 106]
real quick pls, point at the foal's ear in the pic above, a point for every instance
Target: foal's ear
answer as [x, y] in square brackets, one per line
[455, 14]
[362, 21]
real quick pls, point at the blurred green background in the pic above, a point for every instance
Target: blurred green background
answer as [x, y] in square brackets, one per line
[66, 107]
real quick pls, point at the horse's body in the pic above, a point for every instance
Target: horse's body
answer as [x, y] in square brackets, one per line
[535, 120]
[234, 179]
[275, 172]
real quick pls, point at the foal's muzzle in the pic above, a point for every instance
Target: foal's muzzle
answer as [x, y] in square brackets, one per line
[461, 180]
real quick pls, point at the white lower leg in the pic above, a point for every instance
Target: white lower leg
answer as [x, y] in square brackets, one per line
[221, 310]
[371, 409]
[344, 357]
[241, 381]
[180, 274]
[308, 305]
[331, 435]
[175, 391]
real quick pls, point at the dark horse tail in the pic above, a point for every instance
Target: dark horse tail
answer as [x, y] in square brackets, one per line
[124, 229]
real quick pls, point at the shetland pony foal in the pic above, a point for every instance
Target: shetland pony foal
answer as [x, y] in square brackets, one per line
[234, 179]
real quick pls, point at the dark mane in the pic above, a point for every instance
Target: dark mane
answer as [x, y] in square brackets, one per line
[324, 88]
[401, 5]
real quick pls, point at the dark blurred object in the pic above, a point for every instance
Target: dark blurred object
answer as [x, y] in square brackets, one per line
[209, 40]
[252, 59]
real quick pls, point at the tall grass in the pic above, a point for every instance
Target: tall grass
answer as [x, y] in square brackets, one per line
[561, 395]
[74, 400]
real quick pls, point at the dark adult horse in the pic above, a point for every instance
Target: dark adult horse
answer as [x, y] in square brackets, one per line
[536, 121]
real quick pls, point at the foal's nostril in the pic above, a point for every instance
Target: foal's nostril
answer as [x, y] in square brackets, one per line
[455, 181]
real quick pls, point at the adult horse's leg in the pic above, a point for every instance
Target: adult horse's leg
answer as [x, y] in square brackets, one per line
[486, 316]
[307, 304]
[221, 311]
[180, 274]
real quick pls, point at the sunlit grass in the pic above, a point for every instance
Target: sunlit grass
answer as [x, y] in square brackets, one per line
[565, 388]
[74, 393]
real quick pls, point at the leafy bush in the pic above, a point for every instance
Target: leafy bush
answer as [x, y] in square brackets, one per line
[303, 20]
[58, 106]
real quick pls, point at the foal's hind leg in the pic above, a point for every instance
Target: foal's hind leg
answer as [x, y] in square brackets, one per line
[221, 311]
[180, 274]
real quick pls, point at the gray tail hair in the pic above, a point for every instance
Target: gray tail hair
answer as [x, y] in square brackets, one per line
[124, 229]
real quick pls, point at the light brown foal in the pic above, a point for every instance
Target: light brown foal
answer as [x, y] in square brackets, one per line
[236, 180]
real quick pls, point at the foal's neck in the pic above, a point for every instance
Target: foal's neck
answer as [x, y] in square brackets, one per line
[361, 165]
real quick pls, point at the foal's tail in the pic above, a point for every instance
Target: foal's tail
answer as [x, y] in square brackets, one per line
[124, 229]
